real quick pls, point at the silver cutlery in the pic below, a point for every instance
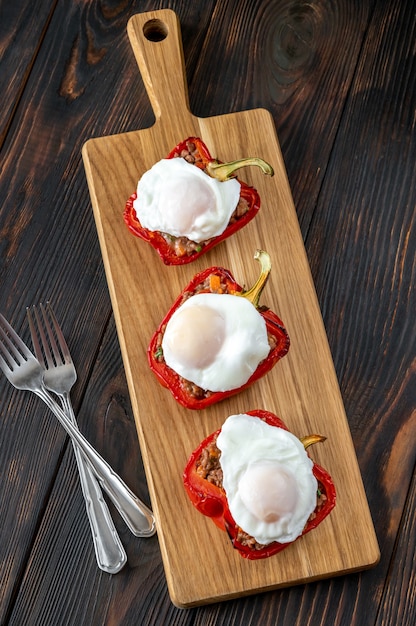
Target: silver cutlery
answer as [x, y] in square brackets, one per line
[25, 372]
[59, 376]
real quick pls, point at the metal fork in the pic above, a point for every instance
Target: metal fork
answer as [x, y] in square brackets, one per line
[59, 377]
[25, 372]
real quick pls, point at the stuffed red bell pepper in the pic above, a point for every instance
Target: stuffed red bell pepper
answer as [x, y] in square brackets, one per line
[189, 202]
[216, 340]
[255, 480]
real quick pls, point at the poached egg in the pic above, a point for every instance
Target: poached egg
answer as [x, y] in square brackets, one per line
[215, 341]
[267, 477]
[180, 199]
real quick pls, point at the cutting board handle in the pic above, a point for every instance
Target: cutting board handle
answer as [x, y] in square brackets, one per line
[157, 45]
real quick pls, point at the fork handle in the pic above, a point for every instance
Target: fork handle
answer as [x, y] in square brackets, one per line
[138, 517]
[109, 551]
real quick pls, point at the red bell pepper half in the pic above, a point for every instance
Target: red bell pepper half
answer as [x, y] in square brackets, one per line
[180, 250]
[210, 499]
[218, 280]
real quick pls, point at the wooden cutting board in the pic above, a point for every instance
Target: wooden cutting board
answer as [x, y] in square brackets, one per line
[200, 564]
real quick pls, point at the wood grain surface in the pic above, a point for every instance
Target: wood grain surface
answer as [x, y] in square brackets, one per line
[339, 82]
[302, 389]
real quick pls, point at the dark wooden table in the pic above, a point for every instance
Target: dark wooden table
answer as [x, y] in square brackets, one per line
[339, 79]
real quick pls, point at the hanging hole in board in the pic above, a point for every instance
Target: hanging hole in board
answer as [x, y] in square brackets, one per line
[155, 30]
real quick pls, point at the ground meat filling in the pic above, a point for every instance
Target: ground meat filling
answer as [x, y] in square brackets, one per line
[191, 388]
[183, 246]
[208, 467]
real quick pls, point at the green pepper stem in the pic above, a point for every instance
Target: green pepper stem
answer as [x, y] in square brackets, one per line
[223, 171]
[309, 440]
[253, 294]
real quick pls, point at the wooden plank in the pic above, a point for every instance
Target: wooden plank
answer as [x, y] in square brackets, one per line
[398, 602]
[295, 66]
[302, 389]
[362, 251]
[22, 28]
[365, 221]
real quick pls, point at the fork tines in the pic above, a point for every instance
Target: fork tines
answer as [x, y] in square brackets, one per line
[43, 325]
[11, 344]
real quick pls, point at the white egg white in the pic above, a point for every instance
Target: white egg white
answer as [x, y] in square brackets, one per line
[267, 477]
[180, 199]
[215, 341]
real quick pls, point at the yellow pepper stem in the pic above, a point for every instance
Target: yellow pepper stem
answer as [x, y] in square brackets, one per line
[309, 440]
[253, 294]
[223, 171]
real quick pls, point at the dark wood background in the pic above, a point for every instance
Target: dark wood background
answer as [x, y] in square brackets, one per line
[339, 79]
